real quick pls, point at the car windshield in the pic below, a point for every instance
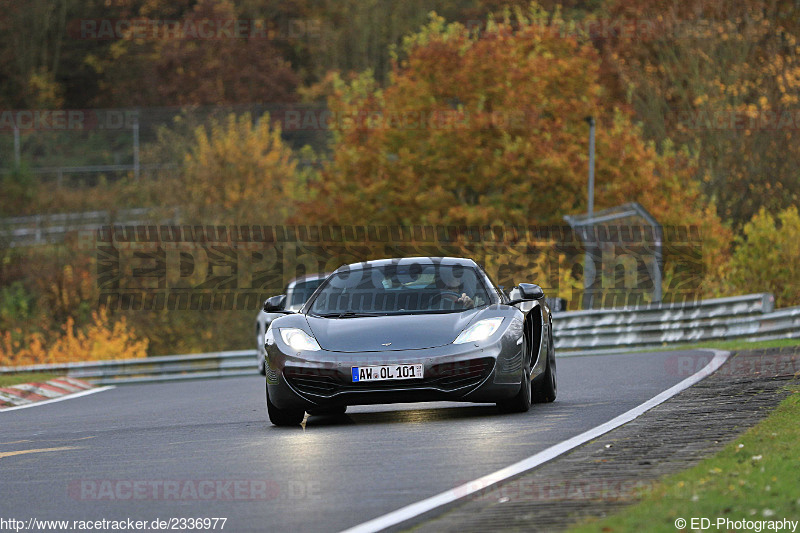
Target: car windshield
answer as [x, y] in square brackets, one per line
[302, 291]
[400, 289]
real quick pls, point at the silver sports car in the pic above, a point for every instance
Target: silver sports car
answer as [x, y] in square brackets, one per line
[406, 330]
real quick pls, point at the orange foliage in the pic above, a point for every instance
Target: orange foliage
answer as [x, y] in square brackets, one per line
[722, 78]
[99, 341]
[238, 168]
[192, 70]
[220, 71]
[489, 129]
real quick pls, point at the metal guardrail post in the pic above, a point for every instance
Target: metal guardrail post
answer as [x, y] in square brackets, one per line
[38, 226]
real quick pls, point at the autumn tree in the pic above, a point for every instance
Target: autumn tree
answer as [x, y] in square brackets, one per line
[238, 170]
[200, 59]
[31, 37]
[491, 129]
[767, 257]
[103, 338]
[722, 78]
[223, 70]
[118, 70]
[357, 35]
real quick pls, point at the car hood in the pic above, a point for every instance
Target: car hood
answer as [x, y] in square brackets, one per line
[404, 332]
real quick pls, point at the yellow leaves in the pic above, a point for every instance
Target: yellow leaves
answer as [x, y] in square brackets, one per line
[238, 167]
[100, 340]
[768, 255]
[44, 89]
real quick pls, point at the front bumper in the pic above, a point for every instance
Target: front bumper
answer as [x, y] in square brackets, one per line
[472, 372]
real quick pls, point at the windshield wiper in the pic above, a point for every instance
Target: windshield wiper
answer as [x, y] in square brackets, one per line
[427, 312]
[348, 314]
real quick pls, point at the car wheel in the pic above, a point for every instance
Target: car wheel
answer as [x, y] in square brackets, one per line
[284, 417]
[545, 386]
[522, 401]
[338, 410]
[262, 366]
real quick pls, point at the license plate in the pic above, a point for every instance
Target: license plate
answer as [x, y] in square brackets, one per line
[385, 372]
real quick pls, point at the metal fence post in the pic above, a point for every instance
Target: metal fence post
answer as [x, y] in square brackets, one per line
[17, 154]
[589, 263]
[136, 148]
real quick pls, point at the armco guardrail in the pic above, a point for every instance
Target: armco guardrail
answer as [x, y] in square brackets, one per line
[750, 304]
[748, 317]
[44, 229]
[154, 369]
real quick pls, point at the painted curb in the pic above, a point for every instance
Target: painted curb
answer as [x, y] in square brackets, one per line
[30, 393]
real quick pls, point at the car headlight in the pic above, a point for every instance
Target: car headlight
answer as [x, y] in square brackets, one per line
[299, 340]
[480, 330]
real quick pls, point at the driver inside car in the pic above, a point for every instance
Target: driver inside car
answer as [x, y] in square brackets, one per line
[451, 293]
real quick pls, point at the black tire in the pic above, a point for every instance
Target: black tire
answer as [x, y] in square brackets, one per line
[284, 417]
[545, 386]
[338, 410]
[262, 367]
[520, 403]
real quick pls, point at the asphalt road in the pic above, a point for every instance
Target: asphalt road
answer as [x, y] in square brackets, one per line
[205, 449]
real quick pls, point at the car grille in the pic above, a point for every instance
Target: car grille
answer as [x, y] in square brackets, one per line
[448, 377]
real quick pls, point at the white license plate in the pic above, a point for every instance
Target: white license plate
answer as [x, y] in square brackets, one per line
[385, 372]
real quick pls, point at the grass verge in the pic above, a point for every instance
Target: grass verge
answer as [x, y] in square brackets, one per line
[733, 346]
[754, 478]
[6, 380]
[746, 345]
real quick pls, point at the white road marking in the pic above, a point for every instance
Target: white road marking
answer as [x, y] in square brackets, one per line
[59, 399]
[449, 496]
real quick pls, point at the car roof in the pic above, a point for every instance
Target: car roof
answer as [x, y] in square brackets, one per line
[449, 261]
[307, 277]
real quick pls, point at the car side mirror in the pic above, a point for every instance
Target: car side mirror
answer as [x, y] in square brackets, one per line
[525, 292]
[275, 304]
[530, 291]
